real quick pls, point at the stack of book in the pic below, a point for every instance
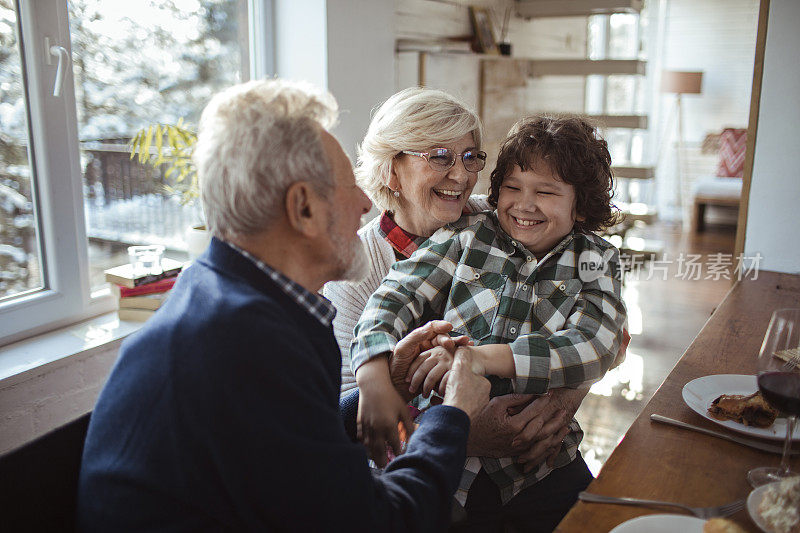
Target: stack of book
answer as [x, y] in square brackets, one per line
[141, 294]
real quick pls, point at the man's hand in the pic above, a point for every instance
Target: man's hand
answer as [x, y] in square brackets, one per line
[466, 387]
[422, 339]
[380, 409]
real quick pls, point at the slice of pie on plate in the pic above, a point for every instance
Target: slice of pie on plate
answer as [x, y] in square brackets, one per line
[750, 410]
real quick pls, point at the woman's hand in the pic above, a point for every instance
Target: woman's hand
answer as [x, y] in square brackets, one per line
[380, 411]
[569, 400]
[517, 425]
[509, 425]
[546, 441]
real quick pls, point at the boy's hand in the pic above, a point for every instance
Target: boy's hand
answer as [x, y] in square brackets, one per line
[380, 409]
[417, 341]
[451, 343]
[428, 369]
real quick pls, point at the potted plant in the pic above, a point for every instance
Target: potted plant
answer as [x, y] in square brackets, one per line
[172, 145]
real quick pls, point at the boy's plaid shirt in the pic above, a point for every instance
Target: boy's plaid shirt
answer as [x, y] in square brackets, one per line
[562, 332]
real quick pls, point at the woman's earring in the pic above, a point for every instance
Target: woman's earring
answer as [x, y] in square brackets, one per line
[396, 194]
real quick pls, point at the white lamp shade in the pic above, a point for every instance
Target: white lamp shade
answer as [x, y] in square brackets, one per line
[681, 82]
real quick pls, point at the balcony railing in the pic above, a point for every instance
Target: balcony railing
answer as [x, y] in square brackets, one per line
[128, 202]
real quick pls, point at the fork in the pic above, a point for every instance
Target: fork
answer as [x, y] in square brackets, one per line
[700, 512]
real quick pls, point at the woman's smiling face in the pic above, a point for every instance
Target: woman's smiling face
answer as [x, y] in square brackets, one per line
[536, 208]
[429, 199]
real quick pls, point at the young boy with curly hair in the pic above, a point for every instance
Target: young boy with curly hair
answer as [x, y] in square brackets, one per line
[532, 286]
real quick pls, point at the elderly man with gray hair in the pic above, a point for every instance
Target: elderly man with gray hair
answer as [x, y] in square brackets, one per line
[222, 412]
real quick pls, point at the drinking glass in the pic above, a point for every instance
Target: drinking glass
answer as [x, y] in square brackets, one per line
[779, 383]
[146, 259]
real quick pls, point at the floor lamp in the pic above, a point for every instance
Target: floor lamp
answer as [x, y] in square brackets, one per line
[680, 83]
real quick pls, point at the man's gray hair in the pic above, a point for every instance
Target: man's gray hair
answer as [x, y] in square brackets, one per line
[413, 119]
[254, 141]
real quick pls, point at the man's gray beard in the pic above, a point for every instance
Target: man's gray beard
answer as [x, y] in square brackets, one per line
[353, 258]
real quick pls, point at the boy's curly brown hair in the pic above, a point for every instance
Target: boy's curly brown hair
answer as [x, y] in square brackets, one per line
[574, 151]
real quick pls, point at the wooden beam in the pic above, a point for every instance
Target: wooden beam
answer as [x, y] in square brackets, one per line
[636, 172]
[638, 249]
[584, 67]
[647, 218]
[568, 8]
[637, 211]
[620, 121]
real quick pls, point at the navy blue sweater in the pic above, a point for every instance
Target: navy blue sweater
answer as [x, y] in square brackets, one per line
[222, 414]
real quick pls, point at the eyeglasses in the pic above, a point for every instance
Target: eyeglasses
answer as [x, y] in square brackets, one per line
[443, 159]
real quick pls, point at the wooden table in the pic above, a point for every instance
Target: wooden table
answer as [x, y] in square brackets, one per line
[660, 462]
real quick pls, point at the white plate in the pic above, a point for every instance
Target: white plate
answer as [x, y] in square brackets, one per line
[661, 523]
[699, 393]
[753, 501]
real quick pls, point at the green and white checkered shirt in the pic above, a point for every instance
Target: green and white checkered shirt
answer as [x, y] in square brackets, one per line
[562, 331]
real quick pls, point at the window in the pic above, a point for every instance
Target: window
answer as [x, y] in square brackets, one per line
[616, 36]
[20, 254]
[167, 58]
[619, 36]
[71, 200]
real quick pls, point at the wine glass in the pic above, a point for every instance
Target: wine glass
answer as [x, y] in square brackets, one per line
[779, 383]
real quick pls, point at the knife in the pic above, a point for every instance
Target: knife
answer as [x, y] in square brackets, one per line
[771, 448]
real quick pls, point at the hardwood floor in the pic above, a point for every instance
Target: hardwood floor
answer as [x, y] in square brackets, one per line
[669, 301]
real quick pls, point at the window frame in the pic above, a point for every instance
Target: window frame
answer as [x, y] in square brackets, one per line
[54, 159]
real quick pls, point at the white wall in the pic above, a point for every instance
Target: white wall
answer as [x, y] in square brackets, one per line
[360, 63]
[301, 41]
[35, 402]
[345, 46]
[773, 219]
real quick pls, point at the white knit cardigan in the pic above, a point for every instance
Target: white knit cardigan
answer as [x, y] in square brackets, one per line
[350, 298]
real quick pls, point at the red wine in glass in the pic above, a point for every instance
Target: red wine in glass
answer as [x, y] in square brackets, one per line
[781, 390]
[779, 383]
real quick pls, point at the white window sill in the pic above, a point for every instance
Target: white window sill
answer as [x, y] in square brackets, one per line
[42, 353]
